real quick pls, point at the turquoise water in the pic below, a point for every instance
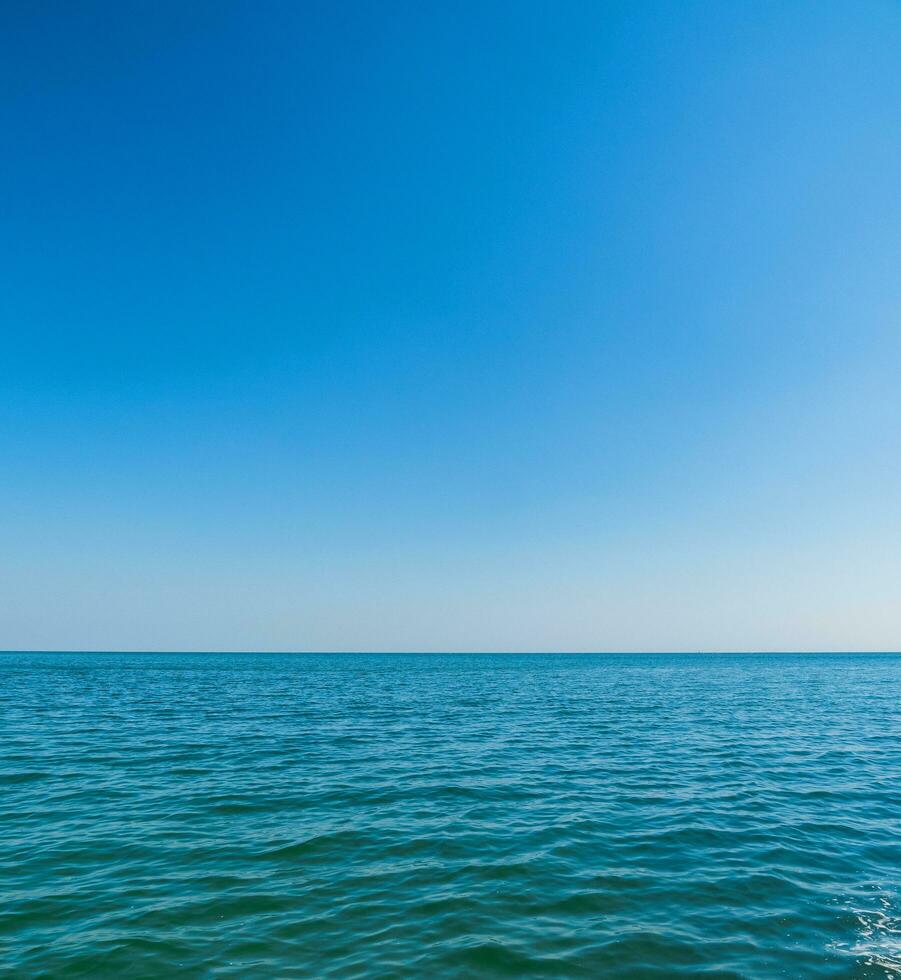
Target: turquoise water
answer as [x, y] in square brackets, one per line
[450, 816]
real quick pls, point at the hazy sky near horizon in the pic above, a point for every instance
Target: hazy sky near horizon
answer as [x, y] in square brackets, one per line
[450, 326]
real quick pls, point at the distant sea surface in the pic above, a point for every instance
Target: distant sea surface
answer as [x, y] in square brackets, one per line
[450, 816]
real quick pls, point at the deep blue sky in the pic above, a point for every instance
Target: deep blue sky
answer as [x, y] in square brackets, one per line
[450, 326]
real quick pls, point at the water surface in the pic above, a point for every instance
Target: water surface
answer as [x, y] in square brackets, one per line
[450, 816]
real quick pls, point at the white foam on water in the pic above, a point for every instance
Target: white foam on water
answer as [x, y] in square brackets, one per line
[878, 941]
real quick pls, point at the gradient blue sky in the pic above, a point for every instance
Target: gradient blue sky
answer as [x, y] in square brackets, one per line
[418, 326]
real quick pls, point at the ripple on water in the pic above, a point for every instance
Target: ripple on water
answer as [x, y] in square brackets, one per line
[543, 816]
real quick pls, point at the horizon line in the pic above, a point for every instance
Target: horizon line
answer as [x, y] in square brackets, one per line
[428, 653]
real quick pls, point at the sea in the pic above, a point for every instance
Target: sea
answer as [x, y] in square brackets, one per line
[497, 815]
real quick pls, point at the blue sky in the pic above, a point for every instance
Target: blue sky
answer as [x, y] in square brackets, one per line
[450, 326]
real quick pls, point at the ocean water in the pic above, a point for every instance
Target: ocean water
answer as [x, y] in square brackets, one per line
[450, 816]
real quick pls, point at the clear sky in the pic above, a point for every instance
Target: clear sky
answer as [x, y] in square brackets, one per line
[450, 326]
